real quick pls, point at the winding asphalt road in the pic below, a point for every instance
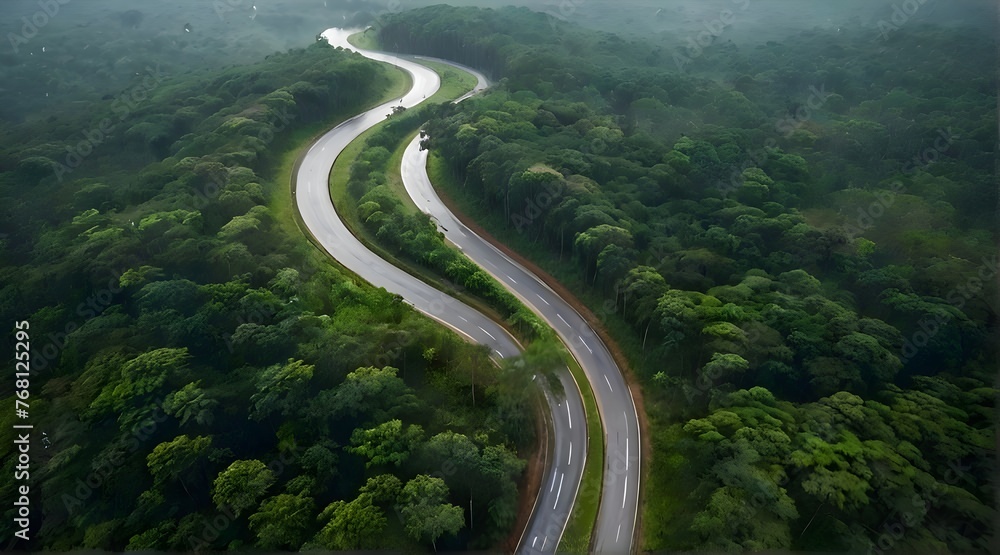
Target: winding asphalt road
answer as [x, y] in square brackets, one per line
[566, 448]
[619, 497]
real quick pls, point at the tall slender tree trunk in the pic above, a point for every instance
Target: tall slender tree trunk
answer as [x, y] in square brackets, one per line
[183, 485]
[506, 204]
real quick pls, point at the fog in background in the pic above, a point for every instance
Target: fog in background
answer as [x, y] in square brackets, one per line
[89, 49]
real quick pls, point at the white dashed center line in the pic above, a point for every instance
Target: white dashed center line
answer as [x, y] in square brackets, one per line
[559, 492]
[488, 333]
[609, 383]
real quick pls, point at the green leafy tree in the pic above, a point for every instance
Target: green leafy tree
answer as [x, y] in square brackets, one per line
[383, 489]
[352, 525]
[282, 521]
[190, 402]
[457, 451]
[500, 469]
[281, 388]
[152, 538]
[878, 364]
[425, 512]
[140, 377]
[723, 366]
[321, 459]
[387, 443]
[171, 460]
[241, 485]
[375, 392]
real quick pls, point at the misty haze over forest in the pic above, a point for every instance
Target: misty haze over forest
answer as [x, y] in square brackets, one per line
[689, 276]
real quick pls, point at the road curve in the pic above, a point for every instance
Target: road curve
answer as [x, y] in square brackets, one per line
[615, 528]
[545, 529]
[310, 187]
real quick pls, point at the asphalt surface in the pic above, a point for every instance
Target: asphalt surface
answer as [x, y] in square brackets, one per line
[616, 520]
[566, 447]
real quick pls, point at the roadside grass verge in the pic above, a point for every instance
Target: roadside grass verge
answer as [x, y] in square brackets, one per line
[580, 527]
[347, 208]
[454, 82]
[394, 176]
[365, 40]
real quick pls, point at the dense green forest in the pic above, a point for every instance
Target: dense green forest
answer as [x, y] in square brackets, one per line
[206, 379]
[791, 236]
[794, 242]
